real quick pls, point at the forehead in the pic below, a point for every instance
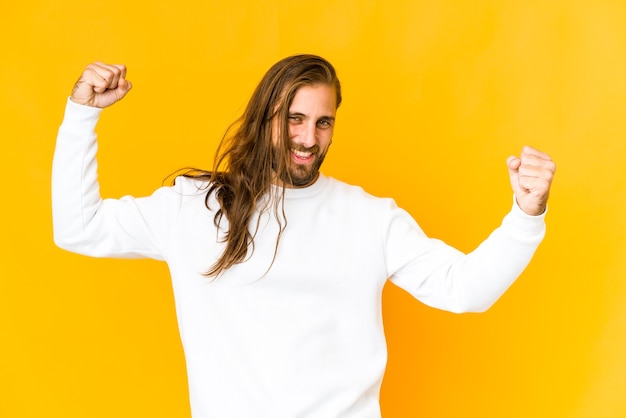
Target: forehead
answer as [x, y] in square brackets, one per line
[315, 98]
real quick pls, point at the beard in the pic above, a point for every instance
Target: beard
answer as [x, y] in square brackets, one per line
[301, 175]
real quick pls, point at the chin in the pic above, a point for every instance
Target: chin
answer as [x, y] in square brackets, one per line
[302, 179]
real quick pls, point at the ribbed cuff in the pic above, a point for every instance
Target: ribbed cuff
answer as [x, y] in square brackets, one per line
[80, 118]
[525, 227]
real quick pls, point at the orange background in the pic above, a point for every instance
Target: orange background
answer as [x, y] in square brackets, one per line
[436, 95]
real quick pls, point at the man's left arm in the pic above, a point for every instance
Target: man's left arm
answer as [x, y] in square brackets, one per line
[444, 278]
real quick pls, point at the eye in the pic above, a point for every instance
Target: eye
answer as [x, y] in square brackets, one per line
[294, 119]
[324, 123]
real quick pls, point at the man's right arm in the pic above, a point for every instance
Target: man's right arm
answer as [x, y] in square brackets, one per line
[84, 222]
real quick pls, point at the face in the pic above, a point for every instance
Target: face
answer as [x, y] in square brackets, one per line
[311, 121]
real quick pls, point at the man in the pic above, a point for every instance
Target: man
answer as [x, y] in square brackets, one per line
[278, 270]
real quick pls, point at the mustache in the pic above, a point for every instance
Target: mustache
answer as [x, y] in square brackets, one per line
[298, 147]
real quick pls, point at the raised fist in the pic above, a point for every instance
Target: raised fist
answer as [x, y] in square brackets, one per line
[101, 85]
[531, 178]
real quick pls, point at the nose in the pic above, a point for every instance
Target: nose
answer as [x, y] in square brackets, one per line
[307, 134]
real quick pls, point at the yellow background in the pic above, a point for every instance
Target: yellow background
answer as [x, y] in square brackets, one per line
[437, 94]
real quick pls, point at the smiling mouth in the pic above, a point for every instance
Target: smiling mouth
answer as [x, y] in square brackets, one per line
[300, 155]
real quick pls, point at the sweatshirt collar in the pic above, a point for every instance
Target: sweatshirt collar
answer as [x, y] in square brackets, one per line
[303, 192]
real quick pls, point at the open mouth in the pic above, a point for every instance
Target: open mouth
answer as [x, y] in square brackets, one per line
[302, 156]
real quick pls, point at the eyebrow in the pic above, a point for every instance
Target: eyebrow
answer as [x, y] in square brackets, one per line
[329, 118]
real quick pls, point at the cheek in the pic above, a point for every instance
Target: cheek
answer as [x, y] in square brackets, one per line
[294, 131]
[326, 138]
[276, 135]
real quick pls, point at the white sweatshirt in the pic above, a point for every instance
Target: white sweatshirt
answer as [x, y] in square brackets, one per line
[306, 339]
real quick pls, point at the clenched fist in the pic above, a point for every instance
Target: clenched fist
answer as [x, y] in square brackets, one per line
[101, 85]
[531, 177]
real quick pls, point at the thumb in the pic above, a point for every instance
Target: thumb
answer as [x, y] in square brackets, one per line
[513, 164]
[113, 95]
[123, 87]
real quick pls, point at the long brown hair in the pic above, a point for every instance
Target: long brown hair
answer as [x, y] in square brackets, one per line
[247, 162]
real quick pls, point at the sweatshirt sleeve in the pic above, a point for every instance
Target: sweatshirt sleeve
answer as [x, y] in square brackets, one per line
[85, 223]
[445, 278]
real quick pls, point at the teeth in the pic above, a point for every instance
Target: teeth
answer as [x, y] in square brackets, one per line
[302, 154]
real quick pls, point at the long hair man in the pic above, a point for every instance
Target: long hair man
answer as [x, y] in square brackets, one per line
[277, 269]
